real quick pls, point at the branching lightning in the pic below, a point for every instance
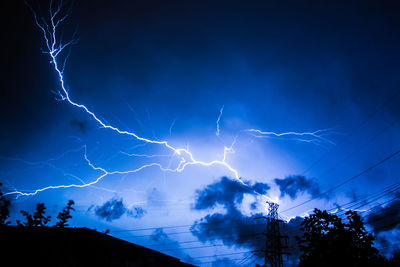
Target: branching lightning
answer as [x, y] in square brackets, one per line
[317, 137]
[54, 47]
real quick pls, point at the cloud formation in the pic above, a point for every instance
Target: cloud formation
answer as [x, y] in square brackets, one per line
[111, 210]
[295, 184]
[226, 192]
[385, 223]
[136, 212]
[385, 218]
[115, 208]
[233, 228]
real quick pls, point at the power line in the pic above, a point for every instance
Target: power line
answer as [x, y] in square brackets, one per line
[393, 199]
[359, 148]
[347, 180]
[151, 228]
[178, 226]
[174, 233]
[219, 255]
[207, 262]
[256, 236]
[376, 195]
[206, 246]
[249, 261]
[243, 260]
[187, 232]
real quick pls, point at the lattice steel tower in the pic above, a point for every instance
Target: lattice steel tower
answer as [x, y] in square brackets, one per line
[273, 246]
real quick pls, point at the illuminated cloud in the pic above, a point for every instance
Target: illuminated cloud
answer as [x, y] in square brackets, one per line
[115, 208]
[293, 185]
[227, 192]
[111, 210]
[232, 227]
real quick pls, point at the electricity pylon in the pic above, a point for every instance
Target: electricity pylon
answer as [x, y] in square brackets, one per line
[274, 249]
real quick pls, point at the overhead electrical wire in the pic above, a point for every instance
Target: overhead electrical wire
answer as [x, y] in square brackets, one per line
[392, 155]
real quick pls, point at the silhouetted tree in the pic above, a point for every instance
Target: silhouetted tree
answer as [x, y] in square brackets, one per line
[65, 215]
[28, 219]
[38, 219]
[4, 209]
[328, 241]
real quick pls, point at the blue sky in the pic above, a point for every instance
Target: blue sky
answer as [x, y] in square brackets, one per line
[164, 71]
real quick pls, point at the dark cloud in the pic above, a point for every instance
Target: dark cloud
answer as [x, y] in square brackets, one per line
[226, 192]
[385, 218]
[111, 210]
[261, 188]
[136, 212]
[115, 208]
[295, 184]
[233, 228]
[387, 242]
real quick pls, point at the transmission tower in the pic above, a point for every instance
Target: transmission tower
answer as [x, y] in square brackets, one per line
[274, 249]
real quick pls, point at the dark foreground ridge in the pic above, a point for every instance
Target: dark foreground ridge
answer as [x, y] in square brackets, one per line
[50, 246]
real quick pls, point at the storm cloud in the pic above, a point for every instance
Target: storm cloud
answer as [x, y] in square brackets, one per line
[111, 210]
[233, 228]
[295, 184]
[385, 218]
[115, 208]
[136, 212]
[385, 223]
[227, 192]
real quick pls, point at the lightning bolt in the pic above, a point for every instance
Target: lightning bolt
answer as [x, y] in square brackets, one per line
[55, 48]
[316, 137]
[218, 120]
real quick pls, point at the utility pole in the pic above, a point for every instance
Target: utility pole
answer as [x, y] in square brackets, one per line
[273, 245]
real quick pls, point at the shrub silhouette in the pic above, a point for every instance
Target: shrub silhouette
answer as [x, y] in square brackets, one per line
[65, 215]
[38, 219]
[28, 219]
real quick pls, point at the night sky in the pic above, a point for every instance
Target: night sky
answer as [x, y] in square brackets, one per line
[199, 75]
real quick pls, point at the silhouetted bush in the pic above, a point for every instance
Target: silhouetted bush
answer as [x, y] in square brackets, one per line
[65, 215]
[38, 219]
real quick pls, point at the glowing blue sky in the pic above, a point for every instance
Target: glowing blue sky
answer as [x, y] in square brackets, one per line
[164, 70]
